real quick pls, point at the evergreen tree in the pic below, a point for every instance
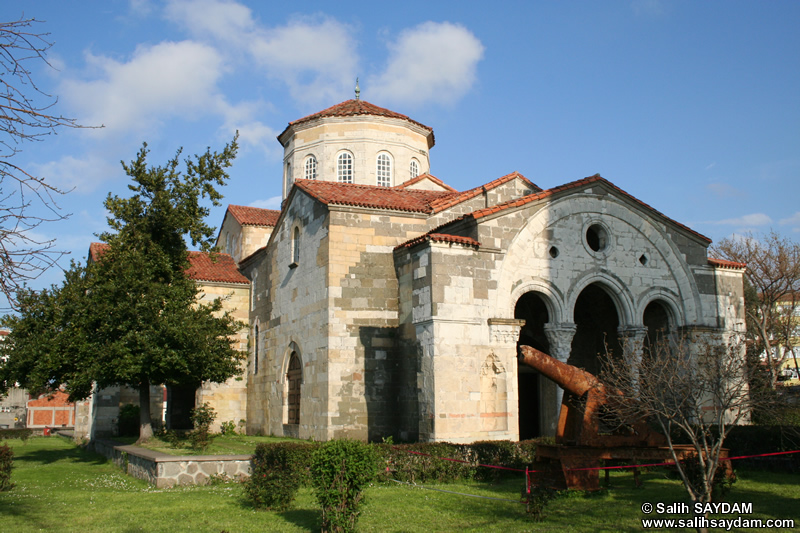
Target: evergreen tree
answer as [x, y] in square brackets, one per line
[132, 316]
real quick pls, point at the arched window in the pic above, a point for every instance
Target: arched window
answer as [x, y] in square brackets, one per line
[344, 167]
[255, 351]
[287, 178]
[295, 246]
[294, 378]
[384, 170]
[310, 171]
[414, 168]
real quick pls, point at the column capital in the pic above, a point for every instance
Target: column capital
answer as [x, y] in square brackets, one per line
[559, 335]
[505, 330]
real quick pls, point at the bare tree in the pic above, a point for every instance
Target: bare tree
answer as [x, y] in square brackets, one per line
[26, 200]
[773, 270]
[694, 388]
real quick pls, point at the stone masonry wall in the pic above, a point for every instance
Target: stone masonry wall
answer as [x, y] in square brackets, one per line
[363, 358]
[228, 399]
[466, 380]
[467, 367]
[290, 308]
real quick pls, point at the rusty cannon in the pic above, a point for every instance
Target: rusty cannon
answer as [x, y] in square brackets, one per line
[587, 432]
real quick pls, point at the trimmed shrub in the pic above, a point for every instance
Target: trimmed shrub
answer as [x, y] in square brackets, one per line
[18, 433]
[495, 453]
[128, 422]
[340, 470]
[278, 471]
[6, 462]
[202, 417]
[422, 462]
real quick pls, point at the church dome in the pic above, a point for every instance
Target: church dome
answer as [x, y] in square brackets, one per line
[356, 142]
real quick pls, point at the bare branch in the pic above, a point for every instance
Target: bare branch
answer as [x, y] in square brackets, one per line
[26, 200]
[694, 387]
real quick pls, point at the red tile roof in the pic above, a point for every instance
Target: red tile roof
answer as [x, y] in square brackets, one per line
[399, 198]
[221, 269]
[439, 237]
[96, 249]
[201, 268]
[254, 216]
[352, 108]
[573, 185]
[445, 203]
[724, 263]
[427, 177]
[334, 193]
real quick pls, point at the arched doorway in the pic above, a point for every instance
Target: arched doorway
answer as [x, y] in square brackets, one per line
[294, 378]
[530, 384]
[597, 321]
[656, 319]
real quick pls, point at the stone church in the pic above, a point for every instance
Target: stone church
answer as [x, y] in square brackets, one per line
[382, 302]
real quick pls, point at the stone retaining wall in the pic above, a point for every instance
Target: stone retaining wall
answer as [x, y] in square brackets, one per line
[164, 470]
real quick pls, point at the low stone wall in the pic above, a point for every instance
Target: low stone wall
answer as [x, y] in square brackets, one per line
[164, 470]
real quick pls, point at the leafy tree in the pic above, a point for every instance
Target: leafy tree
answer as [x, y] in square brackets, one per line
[132, 317]
[773, 273]
[26, 200]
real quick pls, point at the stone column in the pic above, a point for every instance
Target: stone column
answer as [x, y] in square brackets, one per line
[559, 335]
[632, 340]
[504, 335]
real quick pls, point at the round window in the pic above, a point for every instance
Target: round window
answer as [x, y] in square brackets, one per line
[597, 237]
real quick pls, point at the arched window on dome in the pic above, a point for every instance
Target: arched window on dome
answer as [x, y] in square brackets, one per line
[344, 167]
[384, 170]
[414, 168]
[310, 168]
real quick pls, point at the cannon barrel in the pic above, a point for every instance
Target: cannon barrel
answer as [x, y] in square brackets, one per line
[570, 378]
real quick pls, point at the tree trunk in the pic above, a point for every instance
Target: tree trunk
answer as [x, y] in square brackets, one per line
[145, 424]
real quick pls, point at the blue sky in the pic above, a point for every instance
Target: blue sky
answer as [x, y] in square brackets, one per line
[692, 107]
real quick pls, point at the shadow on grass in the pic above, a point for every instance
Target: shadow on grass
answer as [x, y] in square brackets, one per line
[73, 455]
[304, 518]
[769, 502]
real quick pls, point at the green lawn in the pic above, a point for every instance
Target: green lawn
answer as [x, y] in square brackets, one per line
[63, 488]
[221, 445]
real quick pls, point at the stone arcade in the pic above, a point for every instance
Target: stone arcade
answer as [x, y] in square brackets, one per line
[383, 302]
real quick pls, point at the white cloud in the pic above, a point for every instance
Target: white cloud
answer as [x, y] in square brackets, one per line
[755, 219]
[793, 220]
[140, 8]
[433, 62]
[252, 133]
[314, 56]
[80, 175]
[723, 190]
[158, 82]
[317, 59]
[220, 19]
[649, 8]
[269, 203]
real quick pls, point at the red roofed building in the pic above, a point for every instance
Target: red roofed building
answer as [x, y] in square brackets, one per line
[383, 302]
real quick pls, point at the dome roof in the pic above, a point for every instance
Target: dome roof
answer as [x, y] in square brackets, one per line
[354, 108]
